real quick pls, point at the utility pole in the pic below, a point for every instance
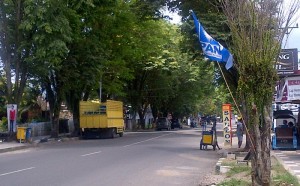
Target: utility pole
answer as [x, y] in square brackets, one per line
[288, 31]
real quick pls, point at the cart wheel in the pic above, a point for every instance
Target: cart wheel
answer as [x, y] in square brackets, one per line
[201, 145]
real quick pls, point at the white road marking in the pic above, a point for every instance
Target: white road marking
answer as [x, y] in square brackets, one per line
[91, 153]
[146, 140]
[284, 157]
[293, 165]
[4, 174]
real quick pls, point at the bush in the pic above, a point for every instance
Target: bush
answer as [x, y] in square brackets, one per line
[3, 124]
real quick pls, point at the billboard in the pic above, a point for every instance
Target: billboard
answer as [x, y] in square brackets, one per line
[288, 89]
[12, 117]
[226, 110]
[287, 61]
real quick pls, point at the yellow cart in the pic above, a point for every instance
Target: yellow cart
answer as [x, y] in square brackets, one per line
[207, 139]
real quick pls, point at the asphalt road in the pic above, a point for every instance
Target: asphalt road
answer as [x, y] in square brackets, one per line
[150, 159]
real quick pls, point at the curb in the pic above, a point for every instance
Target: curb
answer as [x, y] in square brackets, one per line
[36, 143]
[9, 149]
[48, 141]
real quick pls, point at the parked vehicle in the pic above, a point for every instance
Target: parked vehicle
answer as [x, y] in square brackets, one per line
[101, 119]
[163, 123]
[175, 124]
[285, 137]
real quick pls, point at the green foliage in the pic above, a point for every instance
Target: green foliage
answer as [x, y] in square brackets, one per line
[234, 182]
[4, 124]
[282, 177]
[285, 179]
[138, 57]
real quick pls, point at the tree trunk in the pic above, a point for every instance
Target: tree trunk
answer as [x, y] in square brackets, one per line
[55, 124]
[76, 118]
[246, 122]
[142, 120]
[261, 162]
[54, 89]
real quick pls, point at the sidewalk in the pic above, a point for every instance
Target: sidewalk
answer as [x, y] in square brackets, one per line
[13, 145]
[290, 160]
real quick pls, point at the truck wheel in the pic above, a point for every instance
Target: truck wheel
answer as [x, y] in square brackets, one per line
[80, 134]
[112, 133]
[121, 134]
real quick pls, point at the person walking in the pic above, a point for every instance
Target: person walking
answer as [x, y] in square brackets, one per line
[240, 132]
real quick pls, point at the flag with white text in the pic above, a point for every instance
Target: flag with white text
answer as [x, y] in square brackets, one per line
[212, 49]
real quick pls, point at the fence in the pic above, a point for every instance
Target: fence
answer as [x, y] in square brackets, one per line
[44, 128]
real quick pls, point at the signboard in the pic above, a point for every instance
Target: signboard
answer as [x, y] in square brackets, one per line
[293, 89]
[226, 110]
[287, 61]
[12, 117]
[288, 89]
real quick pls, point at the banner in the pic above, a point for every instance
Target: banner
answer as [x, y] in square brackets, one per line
[11, 117]
[211, 48]
[226, 110]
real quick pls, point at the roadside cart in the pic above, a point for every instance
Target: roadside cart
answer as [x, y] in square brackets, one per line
[208, 138]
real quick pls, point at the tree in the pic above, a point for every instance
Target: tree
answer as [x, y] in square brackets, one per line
[100, 51]
[258, 28]
[47, 23]
[15, 49]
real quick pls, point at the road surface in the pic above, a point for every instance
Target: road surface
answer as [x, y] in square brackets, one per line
[151, 158]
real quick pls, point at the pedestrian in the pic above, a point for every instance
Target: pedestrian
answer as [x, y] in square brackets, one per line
[291, 124]
[284, 124]
[12, 117]
[240, 132]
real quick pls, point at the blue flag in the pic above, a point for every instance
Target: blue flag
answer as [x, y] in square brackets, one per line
[212, 49]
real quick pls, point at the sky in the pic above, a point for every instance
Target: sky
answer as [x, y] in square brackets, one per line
[293, 40]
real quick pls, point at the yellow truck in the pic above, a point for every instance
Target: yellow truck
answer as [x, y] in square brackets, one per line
[101, 119]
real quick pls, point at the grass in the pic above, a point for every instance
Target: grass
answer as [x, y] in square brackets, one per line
[235, 182]
[239, 169]
[240, 175]
[282, 177]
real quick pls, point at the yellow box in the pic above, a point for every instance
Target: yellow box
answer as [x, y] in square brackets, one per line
[101, 115]
[207, 139]
[21, 133]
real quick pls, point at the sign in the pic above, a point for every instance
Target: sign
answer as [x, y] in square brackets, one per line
[287, 61]
[293, 89]
[226, 110]
[288, 89]
[12, 117]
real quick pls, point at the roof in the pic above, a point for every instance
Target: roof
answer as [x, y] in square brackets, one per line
[284, 114]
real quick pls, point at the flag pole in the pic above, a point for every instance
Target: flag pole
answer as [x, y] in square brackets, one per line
[251, 140]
